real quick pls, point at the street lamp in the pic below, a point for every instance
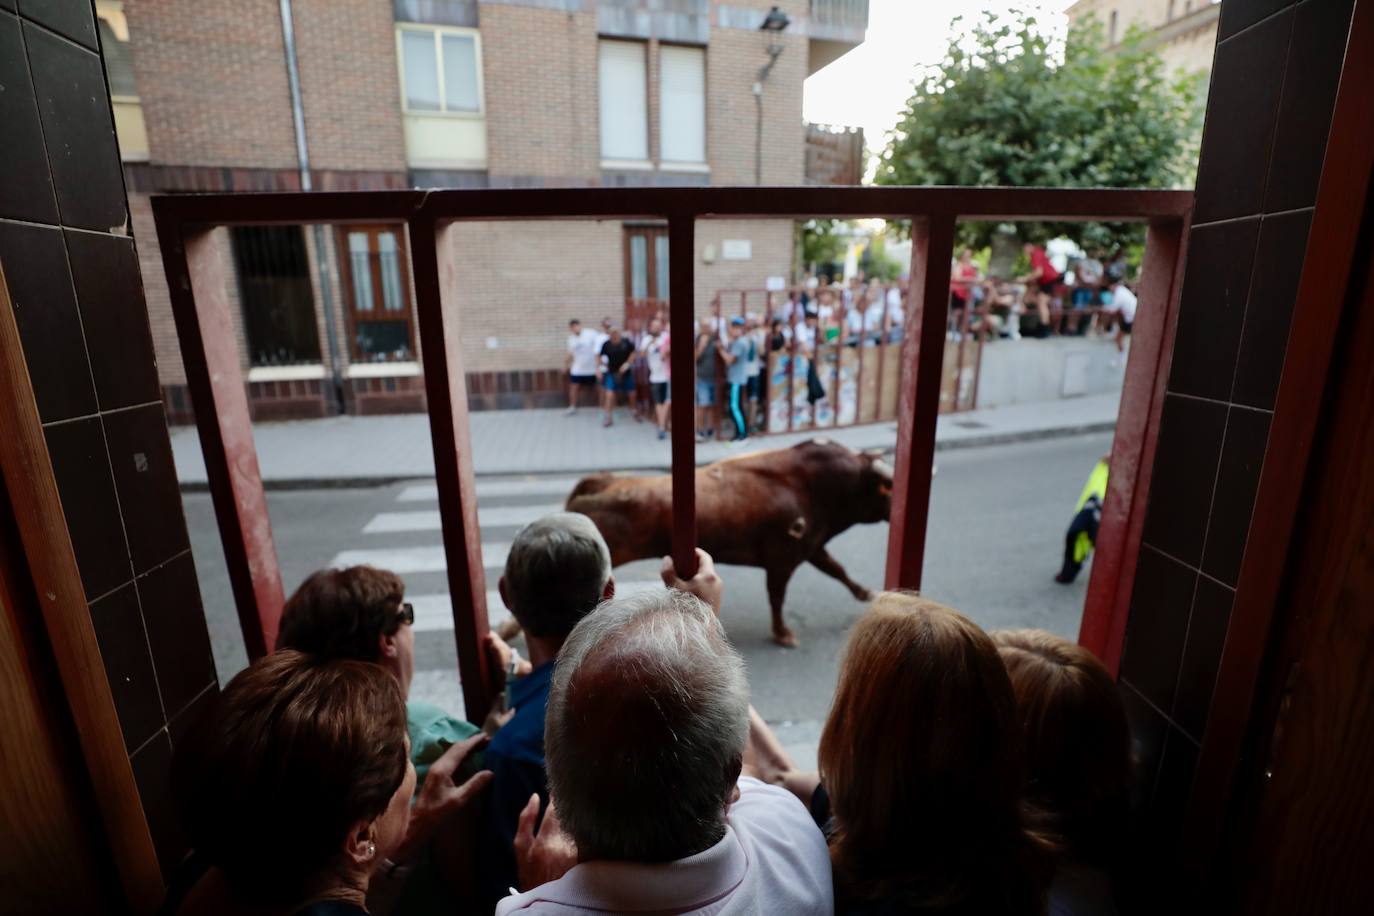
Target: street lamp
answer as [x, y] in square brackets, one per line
[773, 23]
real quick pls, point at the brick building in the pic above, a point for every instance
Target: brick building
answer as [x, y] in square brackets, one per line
[1183, 32]
[366, 94]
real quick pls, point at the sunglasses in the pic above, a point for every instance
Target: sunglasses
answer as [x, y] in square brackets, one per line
[406, 613]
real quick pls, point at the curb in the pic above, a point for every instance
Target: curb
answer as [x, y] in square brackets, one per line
[362, 483]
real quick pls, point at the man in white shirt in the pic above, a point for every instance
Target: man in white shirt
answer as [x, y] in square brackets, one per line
[654, 346]
[645, 736]
[1123, 304]
[581, 362]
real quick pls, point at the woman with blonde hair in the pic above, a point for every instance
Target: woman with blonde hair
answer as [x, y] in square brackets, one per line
[920, 789]
[1078, 761]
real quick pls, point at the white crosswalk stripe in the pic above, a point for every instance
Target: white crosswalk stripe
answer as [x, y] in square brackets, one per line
[405, 560]
[429, 519]
[435, 612]
[550, 486]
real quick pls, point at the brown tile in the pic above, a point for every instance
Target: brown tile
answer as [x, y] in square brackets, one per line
[182, 723]
[1202, 655]
[177, 635]
[1241, 14]
[1177, 767]
[35, 264]
[1233, 503]
[79, 131]
[1148, 728]
[128, 667]
[1157, 627]
[25, 185]
[82, 470]
[109, 292]
[1320, 30]
[1241, 110]
[1185, 469]
[153, 774]
[1269, 314]
[146, 480]
[72, 18]
[1216, 287]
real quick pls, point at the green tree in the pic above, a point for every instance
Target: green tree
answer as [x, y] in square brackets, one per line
[824, 241]
[1009, 106]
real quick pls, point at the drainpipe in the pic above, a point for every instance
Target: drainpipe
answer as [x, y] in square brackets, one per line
[293, 77]
[774, 50]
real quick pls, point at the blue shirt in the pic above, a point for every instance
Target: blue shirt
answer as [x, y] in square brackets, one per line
[515, 757]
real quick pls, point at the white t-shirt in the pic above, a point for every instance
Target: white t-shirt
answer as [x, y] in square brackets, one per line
[806, 338]
[772, 859]
[584, 350]
[1124, 301]
[854, 321]
[652, 348]
[894, 306]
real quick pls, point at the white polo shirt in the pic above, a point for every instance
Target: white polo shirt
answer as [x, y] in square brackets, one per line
[772, 859]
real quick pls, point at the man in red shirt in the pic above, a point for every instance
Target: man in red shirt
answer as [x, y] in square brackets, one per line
[1043, 278]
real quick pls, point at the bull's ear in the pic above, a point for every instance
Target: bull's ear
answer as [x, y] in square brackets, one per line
[885, 488]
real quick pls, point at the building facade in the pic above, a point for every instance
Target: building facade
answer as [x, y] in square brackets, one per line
[1183, 32]
[386, 94]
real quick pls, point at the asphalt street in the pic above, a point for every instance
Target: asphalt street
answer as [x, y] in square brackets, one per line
[997, 522]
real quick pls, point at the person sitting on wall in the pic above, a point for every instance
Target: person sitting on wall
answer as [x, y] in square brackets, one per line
[296, 787]
[920, 788]
[557, 571]
[1044, 279]
[360, 613]
[648, 723]
[1078, 762]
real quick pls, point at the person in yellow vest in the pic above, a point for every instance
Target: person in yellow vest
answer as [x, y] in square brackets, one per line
[1082, 533]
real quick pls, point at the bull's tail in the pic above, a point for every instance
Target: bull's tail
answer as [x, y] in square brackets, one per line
[588, 486]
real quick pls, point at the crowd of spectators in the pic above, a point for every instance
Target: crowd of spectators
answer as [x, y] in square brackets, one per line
[623, 769]
[1091, 294]
[631, 367]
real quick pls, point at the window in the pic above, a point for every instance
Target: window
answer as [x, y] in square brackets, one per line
[130, 130]
[275, 295]
[682, 104]
[1111, 29]
[646, 274]
[440, 70]
[377, 294]
[624, 101]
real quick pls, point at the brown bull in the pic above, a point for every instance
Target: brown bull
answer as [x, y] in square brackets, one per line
[776, 510]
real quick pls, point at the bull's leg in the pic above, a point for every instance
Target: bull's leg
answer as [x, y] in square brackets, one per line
[777, 589]
[831, 567]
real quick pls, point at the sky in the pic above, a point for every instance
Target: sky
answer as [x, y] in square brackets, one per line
[869, 86]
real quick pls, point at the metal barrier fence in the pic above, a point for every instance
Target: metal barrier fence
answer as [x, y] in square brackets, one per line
[200, 305]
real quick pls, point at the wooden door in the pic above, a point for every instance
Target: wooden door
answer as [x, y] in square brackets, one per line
[646, 275]
[377, 294]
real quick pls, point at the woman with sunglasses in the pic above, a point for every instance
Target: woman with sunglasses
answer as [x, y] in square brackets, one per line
[360, 613]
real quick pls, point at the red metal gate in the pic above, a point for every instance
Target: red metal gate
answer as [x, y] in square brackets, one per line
[201, 308]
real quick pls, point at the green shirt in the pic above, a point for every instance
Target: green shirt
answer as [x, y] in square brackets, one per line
[433, 731]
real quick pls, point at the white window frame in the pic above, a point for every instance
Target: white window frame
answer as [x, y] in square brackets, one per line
[684, 165]
[437, 32]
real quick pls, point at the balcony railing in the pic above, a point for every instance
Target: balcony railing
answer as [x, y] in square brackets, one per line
[839, 19]
[201, 308]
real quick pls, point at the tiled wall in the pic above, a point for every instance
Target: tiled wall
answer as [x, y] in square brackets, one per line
[1273, 88]
[78, 301]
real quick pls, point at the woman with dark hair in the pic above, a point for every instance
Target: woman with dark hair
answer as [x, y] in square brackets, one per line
[920, 789]
[1078, 760]
[295, 791]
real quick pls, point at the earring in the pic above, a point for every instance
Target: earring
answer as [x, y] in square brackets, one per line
[371, 849]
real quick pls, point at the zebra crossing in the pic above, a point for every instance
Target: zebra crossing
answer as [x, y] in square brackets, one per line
[405, 536]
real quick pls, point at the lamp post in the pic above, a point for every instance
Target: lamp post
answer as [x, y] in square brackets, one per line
[773, 23]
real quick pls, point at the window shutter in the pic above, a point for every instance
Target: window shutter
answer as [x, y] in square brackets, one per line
[624, 101]
[682, 104]
[460, 74]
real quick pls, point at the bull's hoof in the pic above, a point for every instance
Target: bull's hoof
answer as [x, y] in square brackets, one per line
[785, 638]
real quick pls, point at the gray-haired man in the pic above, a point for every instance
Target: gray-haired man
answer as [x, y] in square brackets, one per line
[557, 571]
[648, 719]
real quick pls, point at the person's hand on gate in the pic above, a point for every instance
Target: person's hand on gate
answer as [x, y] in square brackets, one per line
[706, 584]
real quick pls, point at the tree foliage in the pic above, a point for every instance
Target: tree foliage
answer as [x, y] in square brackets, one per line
[1011, 106]
[824, 241]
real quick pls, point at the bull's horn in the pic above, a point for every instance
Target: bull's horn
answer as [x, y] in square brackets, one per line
[882, 467]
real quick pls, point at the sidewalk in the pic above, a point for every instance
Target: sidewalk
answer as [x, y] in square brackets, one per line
[362, 451]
